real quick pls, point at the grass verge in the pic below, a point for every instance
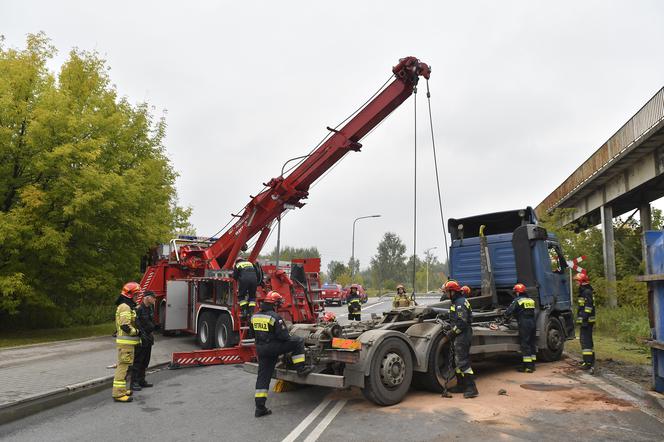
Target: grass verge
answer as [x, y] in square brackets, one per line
[607, 347]
[25, 337]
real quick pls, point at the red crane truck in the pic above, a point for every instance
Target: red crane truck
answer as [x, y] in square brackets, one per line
[192, 278]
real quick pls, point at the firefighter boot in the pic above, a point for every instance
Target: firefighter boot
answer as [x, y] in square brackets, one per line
[135, 386]
[261, 409]
[471, 388]
[145, 384]
[303, 369]
[460, 386]
[125, 398]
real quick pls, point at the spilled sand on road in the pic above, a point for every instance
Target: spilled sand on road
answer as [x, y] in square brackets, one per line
[548, 389]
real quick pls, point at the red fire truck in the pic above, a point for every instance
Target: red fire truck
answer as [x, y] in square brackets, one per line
[192, 276]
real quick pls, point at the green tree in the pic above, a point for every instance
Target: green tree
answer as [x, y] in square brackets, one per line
[334, 270]
[389, 263]
[287, 253]
[85, 186]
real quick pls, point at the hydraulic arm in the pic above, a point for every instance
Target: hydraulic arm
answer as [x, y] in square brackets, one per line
[285, 192]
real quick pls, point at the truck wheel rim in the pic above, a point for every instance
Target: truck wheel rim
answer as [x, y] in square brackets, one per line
[554, 339]
[222, 335]
[392, 370]
[204, 332]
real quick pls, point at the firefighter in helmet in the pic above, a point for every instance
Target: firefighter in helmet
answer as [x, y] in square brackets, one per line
[354, 304]
[126, 339]
[523, 307]
[461, 335]
[586, 319]
[246, 275]
[466, 291]
[273, 340]
[401, 299]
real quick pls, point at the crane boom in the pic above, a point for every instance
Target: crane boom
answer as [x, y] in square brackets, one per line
[284, 192]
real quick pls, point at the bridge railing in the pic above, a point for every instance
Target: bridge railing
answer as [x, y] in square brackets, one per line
[649, 116]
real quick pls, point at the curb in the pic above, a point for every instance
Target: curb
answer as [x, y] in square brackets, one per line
[59, 396]
[652, 398]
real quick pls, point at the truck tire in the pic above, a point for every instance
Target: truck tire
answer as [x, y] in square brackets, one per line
[224, 336]
[438, 366]
[555, 341]
[205, 332]
[390, 373]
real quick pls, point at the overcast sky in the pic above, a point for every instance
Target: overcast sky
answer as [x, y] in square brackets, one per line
[522, 93]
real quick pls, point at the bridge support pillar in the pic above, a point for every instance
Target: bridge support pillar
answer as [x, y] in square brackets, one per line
[646, 224]
[608, 248]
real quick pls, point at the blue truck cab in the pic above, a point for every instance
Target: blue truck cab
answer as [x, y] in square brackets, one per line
[518, 251]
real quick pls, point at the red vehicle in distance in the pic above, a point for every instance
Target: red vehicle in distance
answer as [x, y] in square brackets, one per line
[332, 293]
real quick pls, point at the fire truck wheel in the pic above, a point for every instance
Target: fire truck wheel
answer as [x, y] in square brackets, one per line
[224, 335]
[390, 373]
[555, 341]
[438, 367]
[204, 334]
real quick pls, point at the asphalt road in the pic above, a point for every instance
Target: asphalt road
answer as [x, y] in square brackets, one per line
[558, 402]
[555, 403]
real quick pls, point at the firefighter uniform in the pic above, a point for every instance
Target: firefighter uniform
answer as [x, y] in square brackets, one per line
[586, 319]
[462, 335]
[272, 340]
[354, 306]
[126, 341]
[247, 276]
[523, 308]
[401, 300]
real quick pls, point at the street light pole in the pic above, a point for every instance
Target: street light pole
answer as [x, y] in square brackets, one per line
[279, 216]
[352, 253]
[426, 253]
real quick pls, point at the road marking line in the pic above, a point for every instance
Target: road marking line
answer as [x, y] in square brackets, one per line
[307, 421]
[620, 394]
[322, 425]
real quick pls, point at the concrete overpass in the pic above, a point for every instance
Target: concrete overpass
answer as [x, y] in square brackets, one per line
[626, 173]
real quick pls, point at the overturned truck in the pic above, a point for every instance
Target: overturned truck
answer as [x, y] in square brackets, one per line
[386, 354]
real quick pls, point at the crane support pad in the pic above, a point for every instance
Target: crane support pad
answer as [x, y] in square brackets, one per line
[216, 356]
[320, 379]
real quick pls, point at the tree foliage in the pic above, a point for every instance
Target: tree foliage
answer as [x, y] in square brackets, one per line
[389, 263]
[85, 185]
[288, 253]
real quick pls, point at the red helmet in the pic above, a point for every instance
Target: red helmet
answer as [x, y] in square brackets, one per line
[131, 289]
[452, 286]
[329, 317]
[519, 288]
[273, 298]
[465, 289]
[582, 278]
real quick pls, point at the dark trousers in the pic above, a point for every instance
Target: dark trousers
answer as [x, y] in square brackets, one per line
[354, 317]
[528, 339]
[462, 344]
[268, 354]
[587, 345]
[141, 361]
[247, 292]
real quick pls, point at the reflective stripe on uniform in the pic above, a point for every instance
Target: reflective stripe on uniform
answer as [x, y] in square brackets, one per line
[244, 265]
[125, 340]
[262, 322]
[468, 371]
[582, 302]
[120, 384]
[587, 351]
[243, 303]
[261, 393]
[526, 303]
[588, 309]
[527, 359]
[452, 308]
[591, 319]
[533, 357]
[252, 304]
[297, 359]
[457, 371]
